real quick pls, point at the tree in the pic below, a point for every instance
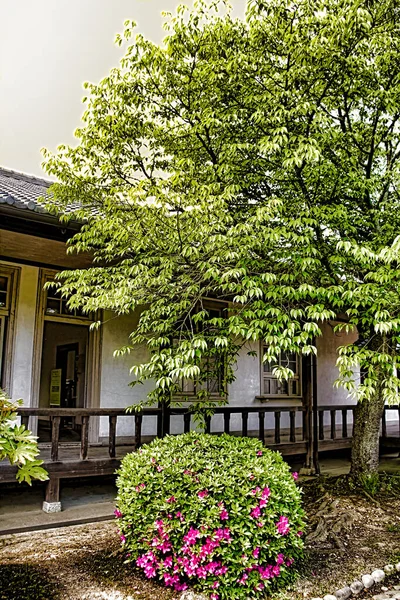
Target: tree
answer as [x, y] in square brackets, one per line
[255, 161]
[17, 444]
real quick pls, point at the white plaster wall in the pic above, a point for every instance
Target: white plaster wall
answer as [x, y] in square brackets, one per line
[327, 372]
[24, 333]
[116, 376]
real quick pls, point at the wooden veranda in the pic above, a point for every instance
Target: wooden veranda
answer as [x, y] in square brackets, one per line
[296, 431]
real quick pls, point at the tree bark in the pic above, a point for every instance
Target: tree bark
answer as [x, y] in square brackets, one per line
[365, 445]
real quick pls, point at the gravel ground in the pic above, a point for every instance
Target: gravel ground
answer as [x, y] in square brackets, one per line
[348, 535]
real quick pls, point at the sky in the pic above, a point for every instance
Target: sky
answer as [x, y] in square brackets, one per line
[48, 48]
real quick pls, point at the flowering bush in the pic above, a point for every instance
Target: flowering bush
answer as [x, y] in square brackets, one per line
[220, 513]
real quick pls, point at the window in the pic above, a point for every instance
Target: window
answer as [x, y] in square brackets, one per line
[270, 384]
[212, 367]
[57, 306]
[8, 281]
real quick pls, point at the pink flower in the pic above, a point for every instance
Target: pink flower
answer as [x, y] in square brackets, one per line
[123, 539]
[263, 502]
[168, 562]
[255, 491]
[180, 587]
[149, 571]
[159, 468]
[255, 513]
[117, 513]
[289, 562]
[171, 500]
[295, 476]
[276, 571]
[251, 477]
[260, 524]
[215, 585]
[140, 487]
[299, 533]
[266, 493]
[280, 559]
[224, 515]
[221, 570]
[214, 596]
[243, 579]
[256, 552]
[202, 494]
[260, 586]
[191, 536]
[283, 525]
[259, 453]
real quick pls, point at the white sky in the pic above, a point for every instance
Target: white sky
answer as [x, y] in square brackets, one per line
[48, 48]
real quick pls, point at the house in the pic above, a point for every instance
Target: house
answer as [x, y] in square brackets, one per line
[51, 359]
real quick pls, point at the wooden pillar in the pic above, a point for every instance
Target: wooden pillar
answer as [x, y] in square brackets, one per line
[309, 391]
[52, 502]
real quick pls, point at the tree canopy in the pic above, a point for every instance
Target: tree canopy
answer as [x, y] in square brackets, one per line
[255, 161]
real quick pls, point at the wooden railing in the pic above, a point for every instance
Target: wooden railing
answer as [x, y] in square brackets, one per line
[295, 433]
[336, 429]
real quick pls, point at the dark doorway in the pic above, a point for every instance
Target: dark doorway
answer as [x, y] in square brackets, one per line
[63, 376]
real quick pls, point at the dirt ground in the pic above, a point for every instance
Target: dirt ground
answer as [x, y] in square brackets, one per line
[349, 534]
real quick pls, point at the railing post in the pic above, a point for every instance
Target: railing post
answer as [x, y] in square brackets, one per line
[207, 421]
[186, 422]
[321, 425]
[384, 427]
[344, 423]
[55, 437]
[278, 427]
[85, 437]
[227, 418]
[112, 430]
[293, 426]
[25, 421]
[138, 430]
[261, 426]
[245, 420]
[333, 424]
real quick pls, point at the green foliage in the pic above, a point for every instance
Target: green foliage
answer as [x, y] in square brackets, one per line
[17, 444]
[371, 483]
[221, 513]
[254, 161]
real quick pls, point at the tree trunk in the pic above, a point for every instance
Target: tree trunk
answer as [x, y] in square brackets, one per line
[365, 446]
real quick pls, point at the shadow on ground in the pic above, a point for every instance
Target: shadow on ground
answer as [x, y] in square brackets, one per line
[27, 582]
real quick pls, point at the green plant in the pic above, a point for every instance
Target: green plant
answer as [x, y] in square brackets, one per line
[370, 483]
[221, 513]
[17, 444]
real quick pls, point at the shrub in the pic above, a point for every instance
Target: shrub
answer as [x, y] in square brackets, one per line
[220, 513]
[17, 444]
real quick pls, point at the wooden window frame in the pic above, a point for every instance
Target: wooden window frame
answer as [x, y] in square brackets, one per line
[288, 396]
[9, 312]
[188, 396]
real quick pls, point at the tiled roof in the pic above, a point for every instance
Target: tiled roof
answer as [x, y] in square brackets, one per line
[22, 191]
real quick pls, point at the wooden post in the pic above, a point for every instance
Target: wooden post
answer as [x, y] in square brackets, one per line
[112, 430]
[138, 430]
[315, 413]
[293, 426]
[344, 423]
[261, 426]
[52, 502]
[85, 437]
[186, 422]
[333, 424]
[227, 418]
[55, 437]
[278, 427]
[245, 420]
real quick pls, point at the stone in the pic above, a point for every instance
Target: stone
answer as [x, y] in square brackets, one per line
[329, 597]
[381, 597]
[189, 595]
[356, 587]
[397, 566]
[389, 569]
[343, 593]
[378, 575]
[51, 507]
[368, 581]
